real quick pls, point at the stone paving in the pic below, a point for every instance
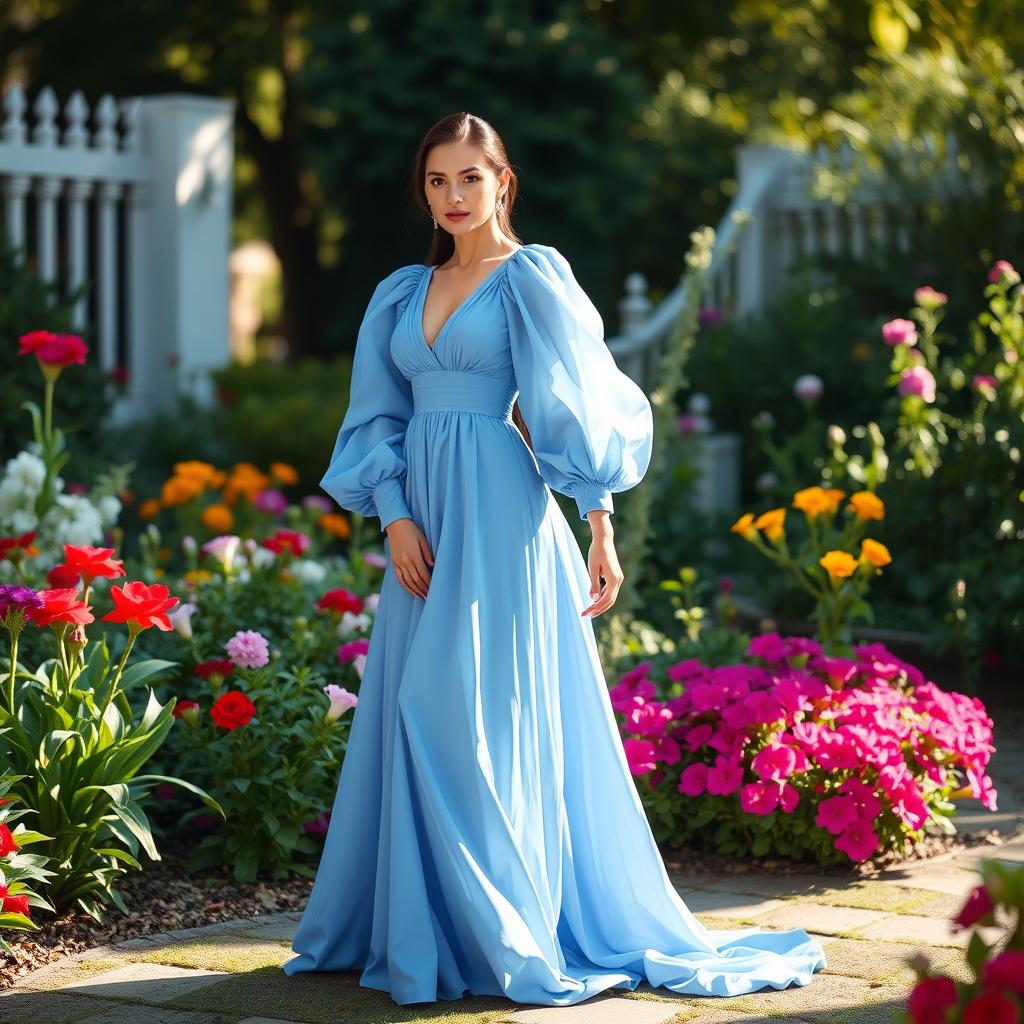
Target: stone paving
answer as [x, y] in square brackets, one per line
[231, 973]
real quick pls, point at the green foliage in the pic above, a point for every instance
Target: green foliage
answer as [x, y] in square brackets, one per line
[77, 749]
[18, 870]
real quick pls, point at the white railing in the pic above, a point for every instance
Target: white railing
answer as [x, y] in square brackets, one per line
[137, 210]
[786, 223]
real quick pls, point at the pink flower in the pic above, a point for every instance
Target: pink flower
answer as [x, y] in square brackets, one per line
[248, 649]
[372, 558]
[836, 813]
[984, 382]
[976, 909]
[341, 700]
[699, 735]
[808, 387]
[710, 316]
[350, 651]
[789, 797]
[917, 380]
[688, 424]
[694, 779]
[928, 298]
[981, 788]
[1002, 272]
[271, 501]
[858, 841]
[759, 797]
[1005, 970]
[899, 332]
[725, 776]
[775, 762]
[639, 756]
[991, 1008]
[930, 998]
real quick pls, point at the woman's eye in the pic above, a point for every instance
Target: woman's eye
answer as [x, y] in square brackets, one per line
[469, 177]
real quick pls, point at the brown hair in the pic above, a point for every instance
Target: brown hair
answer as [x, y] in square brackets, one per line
[458, 127]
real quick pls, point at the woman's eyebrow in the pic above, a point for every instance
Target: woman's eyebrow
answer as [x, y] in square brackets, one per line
[463, 171]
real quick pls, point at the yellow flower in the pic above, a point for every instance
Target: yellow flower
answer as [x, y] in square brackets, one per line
[813, 501]
[218, 518]
[772, 522]
[284, 473]
[867, 505]
[179, 489]
[336, 525]
[197, 575]
[838, 563]
[744, 526]
[149, 509]
[875, 552]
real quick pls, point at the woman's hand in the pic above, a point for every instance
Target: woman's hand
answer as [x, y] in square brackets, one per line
[602, 561]
[410, 555]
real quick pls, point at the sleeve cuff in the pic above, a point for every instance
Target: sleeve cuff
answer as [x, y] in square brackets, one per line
[590, 496]
[389, 497]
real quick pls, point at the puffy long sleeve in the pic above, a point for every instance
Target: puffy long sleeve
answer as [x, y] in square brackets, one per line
[367, 468]
[590, 424]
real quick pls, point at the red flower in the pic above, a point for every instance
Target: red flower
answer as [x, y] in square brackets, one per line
[929, 999]
[143, 604]
[183, 705]
[341, 600]
[7, 843]
[287, 540]
[90, 562]
[13, 904]
[232, 709]
[1005, 971]
[991, 1008]
[55, 349]
[60, 605]
[62, 577]
[978, 906]
[214, 667]
[24, 541]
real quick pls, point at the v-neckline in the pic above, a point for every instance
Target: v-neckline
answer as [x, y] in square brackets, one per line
[429, 276]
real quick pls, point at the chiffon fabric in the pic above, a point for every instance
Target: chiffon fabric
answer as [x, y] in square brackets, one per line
[487, 836]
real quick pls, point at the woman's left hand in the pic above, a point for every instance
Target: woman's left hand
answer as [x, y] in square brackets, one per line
[602, 562]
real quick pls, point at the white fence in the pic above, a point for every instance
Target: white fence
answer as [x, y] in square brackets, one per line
[137, 208]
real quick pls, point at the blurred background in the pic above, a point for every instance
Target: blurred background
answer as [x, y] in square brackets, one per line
[208, 194]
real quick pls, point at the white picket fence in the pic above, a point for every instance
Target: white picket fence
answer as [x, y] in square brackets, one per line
[137, 207]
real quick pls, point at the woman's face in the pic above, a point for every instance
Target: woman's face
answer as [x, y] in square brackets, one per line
[459, 180]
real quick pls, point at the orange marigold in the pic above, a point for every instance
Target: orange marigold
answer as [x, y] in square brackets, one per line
[875, 552]
[284, 473]
[772, 522]
[218, 517]
[813, 501]
[838, 563]
[336, 525]
[180, 489]
[149, 509]
[744, 526]
[867, 505]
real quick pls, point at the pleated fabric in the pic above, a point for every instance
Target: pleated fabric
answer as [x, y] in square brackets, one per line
[487, 836]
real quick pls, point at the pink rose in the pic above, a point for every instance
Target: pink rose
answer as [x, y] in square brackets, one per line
[928, 298]
[1002, 272]
[899, 332]
[917, 380]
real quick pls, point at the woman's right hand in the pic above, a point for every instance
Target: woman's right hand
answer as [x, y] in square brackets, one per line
[410, 555]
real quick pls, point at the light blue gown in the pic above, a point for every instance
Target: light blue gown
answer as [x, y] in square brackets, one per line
[487, 836]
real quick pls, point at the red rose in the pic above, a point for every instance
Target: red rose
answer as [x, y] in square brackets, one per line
[978, 906]
[341, 600]
[7, 843]
[214, 667]
[60, 605]
[929, 999]
[232, 709]
[90, 562]
[181, 705]
[287, 540]
[991, 1008]
[143, 604]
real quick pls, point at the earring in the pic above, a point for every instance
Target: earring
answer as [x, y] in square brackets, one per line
[434, 219]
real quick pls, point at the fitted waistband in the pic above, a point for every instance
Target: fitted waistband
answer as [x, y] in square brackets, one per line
[460, 391]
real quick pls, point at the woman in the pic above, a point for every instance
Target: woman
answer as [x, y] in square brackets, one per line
[487, 836]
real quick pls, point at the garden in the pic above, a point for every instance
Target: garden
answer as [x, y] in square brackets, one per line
[817, 681]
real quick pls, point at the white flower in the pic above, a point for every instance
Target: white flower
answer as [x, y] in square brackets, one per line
[181, 619]
[27, 472]
[352, 623]
[370, 602]
[358, 663]
[72, 519]
[808, 387]
[261, 557]
[308, 570]
[109, 508]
